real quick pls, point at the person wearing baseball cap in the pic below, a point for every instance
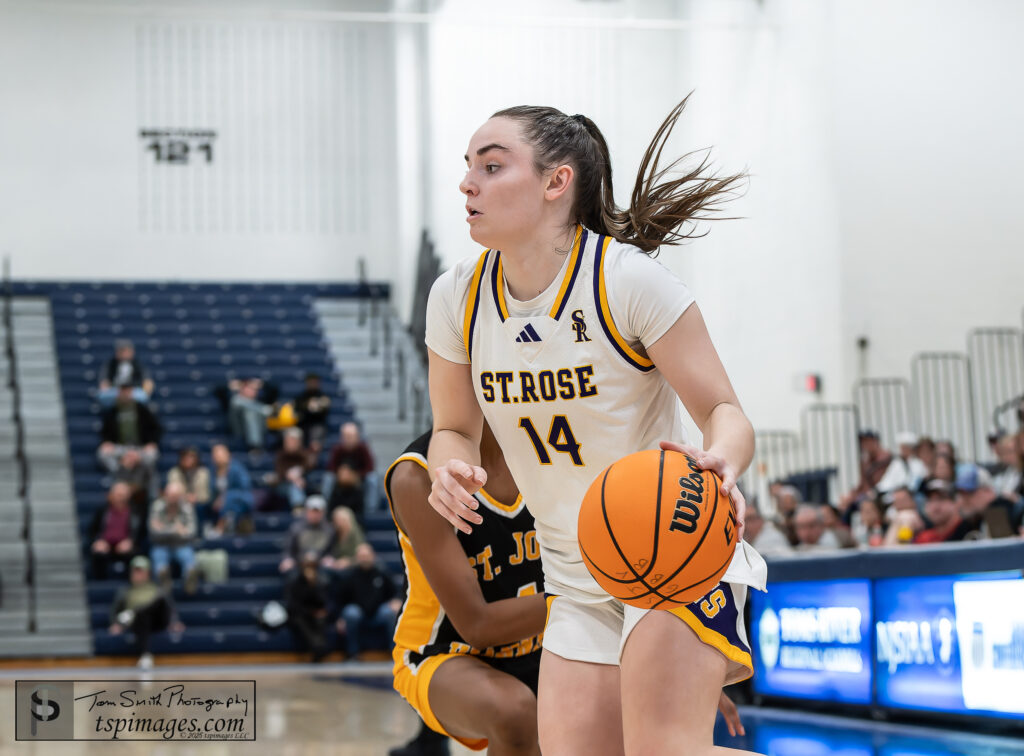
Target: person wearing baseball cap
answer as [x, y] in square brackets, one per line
[941, 509]
[143, 608]
[995, 516]
[905, 469]
[312, 533]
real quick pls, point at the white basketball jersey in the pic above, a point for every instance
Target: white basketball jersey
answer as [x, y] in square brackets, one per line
[565, 395]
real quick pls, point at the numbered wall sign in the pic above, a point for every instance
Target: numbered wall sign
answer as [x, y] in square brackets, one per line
[179, 146]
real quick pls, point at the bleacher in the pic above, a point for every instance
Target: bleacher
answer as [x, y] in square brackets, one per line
[192, 338]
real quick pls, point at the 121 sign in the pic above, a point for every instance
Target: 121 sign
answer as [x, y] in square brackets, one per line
[179, 146]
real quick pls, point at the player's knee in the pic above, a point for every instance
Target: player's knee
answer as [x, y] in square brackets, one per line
[514, 724]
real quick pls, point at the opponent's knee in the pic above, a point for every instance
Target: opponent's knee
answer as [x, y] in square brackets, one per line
[514, 723]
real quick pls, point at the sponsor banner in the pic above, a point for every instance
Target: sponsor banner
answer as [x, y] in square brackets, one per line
[813, 640]
[952, 643]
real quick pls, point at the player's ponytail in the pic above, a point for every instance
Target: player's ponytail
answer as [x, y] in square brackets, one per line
[662, 210]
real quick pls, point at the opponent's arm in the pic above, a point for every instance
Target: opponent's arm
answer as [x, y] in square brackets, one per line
[689, 362]
[454, 455]
[453, 580]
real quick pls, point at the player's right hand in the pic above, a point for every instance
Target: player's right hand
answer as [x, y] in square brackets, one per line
[451, 493]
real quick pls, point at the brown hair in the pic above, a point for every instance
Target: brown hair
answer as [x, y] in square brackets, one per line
[661, 211]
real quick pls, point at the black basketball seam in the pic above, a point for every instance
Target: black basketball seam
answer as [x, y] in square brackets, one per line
[611, 534]
[681, 567]
[657, 511]
[684, 603]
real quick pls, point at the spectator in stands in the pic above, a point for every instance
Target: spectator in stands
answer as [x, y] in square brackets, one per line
[925, 451]
[874, 461]
[834, 524]
[193, 476]
[764, 535]
[141, 478]
[291, 467]
[115, 531]
[247, 415]
[811, 533]
[945, 467]
[144, 609]
[1008, 478]
[172, 529]
[232, 488]
[353, 451]
[941, 509]
[946, 447]
[124, 368]
[347, 491]
[311, 534]
[905, 470]
[366, 595]
[348, 536]
[868, 526]
[312, 408]
[128, 425]
[903, 515]
[986, 510]
[306, 602]
[787, 499]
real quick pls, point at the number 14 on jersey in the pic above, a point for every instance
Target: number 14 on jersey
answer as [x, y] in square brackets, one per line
[560, 438]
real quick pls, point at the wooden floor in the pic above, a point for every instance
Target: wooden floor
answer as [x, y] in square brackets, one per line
[301, 710]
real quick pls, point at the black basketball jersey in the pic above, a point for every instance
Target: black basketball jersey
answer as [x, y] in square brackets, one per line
[502, 549]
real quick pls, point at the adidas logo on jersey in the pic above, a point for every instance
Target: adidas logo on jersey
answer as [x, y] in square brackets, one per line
[528, 335]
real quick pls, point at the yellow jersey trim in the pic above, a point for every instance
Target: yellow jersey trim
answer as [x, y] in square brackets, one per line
[498, 505]
[569, 278]
[387, 487]
[606, 312]
[473, 304]
[713, 639]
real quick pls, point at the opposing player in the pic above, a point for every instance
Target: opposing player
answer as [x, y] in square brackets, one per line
[467, 643]
[576, 346]
[469, 592]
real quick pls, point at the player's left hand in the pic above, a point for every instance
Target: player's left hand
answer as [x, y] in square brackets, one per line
[731, 715]
[723, 470]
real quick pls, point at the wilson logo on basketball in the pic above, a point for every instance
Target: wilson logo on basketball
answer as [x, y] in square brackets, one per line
[691, 494]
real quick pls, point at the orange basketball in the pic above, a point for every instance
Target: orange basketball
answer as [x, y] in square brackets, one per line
[655, 531]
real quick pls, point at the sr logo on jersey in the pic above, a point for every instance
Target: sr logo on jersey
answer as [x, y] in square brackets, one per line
[579, 325]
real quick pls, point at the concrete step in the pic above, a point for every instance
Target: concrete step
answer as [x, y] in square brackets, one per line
[29, 306]
[46, 619]
[47, 645]
[343, 307]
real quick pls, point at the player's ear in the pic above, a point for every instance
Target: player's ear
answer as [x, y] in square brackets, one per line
[558, 182]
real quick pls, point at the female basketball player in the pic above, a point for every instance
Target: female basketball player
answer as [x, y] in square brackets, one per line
[475, 696]
[574, 345]
[460, 657]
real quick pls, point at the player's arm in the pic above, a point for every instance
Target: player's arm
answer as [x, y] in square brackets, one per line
[690, 364]
[454, 455]
[453, 580]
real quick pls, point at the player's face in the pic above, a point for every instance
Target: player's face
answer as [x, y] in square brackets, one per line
[504, 193]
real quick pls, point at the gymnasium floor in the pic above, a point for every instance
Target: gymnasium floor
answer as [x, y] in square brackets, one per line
[351, 710]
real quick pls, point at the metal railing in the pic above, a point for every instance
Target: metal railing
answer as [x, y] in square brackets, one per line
[830, 437]
[945, 399]
[997, 371]
[777, 455]
[20, 455]
[885, 407]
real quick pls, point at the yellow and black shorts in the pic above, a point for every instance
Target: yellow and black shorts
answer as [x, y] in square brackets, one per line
[412, 681]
